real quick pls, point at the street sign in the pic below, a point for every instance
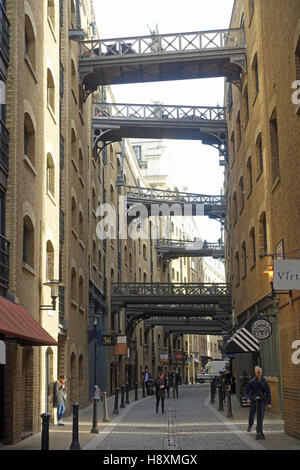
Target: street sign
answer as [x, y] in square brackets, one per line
[121, 346]
[286, 274]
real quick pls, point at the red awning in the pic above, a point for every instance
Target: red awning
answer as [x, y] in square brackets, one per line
[16, 322]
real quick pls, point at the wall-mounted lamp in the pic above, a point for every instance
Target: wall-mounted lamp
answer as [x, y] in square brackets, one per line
[270, 271]
[54, 285]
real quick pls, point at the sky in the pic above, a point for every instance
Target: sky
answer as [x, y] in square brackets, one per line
[191, 164]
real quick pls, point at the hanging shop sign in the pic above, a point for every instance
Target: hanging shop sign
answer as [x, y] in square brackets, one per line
[121, 346]
[164, 358]
[261, 329]
[286, 274]
[108, 340]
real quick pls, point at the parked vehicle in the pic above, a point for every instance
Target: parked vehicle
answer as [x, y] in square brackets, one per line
[212, 369]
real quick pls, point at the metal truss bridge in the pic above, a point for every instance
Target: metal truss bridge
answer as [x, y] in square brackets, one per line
[114, 121]
[169, 249]
[159, 57]
[178, 203]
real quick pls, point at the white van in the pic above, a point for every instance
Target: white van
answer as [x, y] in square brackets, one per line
[211, 369]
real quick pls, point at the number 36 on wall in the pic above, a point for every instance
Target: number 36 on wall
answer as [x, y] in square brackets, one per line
[296, 354]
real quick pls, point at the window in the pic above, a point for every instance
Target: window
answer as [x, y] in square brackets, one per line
[74, 150]
[239, 129]
[255, 74]
[74, 214]
[234, 208]
[232, 142]
[250, 9]
[30, 43]
[249, 174]
[73, 14]
[263, 245]
[49, 261]
[237, 268]
[51, 12]
[50, 91]
[138, 152]
[28, 241]
[50, 175]
[241, 190]
[244, 259]
[81, 163]
[274, 147]
[246, 105]
[73, 284]
[29, 138]
[259, 154]
[144, 252]
[74, 79]
[81, 292]
[2, 101]
[252, 247]
[81, 226]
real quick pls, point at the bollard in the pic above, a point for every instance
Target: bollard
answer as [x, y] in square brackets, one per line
[214, 385]
[116, 411]
[136, 391]
[122, 405]
[144, 394]
[259, 425]
[212, 398]
[95, 429]
[75, 442]
[105, 413]
[220, 398]
[229, 407]
[127, 394]
[45, 431]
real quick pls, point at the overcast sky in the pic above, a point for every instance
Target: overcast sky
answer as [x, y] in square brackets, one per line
[191, 163]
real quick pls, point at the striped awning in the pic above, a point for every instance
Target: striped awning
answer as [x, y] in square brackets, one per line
[242, 342]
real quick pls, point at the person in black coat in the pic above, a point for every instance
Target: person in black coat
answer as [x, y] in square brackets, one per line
[257, 387]
[160, 386]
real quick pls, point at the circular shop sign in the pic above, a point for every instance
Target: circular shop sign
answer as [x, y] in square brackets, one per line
[261, 329]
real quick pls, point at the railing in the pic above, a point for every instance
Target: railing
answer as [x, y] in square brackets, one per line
[197, 244]
[158, 112]
[4, 147]
[162, 195]
[4, 33]
[200, 41]
[4, 261]
[169, 289]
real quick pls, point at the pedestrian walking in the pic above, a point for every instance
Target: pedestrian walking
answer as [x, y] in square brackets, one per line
[257, 387]
[228, 379]
[222, 385]
[60, 396]
[168, 383]
[146, 379]
[176, 380]
[160, 386]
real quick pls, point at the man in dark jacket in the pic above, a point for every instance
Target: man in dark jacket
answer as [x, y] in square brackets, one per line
[257, 387]
[160, 385]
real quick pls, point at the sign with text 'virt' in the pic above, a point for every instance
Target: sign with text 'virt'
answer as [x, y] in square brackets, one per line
[286, 274]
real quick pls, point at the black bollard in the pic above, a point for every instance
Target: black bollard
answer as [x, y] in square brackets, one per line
[212, 397]
[95, 429]
[127, 394]
[144, 394]
[259, 425]
[122, 405]
[136, 391]
[116, 411]
[75, 442]
[220, 394]
[229, 407]
[45, 431]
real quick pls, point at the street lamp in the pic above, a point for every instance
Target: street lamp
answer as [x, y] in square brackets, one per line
[54, 285]
[95, 324]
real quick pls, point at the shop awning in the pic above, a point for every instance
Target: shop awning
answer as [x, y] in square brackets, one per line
[242, 342]
[17, 323]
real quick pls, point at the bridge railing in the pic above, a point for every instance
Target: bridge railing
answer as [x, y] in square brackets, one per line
[188, 245]
[161, 195]
[170, 289]
[158, 111]
[223, 39]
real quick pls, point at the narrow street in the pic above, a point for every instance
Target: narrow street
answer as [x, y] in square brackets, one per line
[189, 423]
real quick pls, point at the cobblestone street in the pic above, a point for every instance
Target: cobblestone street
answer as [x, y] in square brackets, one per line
[189, 422]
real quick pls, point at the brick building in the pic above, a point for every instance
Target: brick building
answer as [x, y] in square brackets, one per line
[262, 189]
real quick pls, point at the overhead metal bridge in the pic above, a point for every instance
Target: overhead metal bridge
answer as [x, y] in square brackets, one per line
[170, 249]
[114, 121]
[160, 57]
[157, 201]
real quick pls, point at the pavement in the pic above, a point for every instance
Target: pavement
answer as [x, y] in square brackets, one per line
[190, 422]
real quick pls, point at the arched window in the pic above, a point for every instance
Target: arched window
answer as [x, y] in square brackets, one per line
[81, 163]
[30, 42]
[50, 91]
[50, 175]
[263, 244]
[74, 288]
[237, 268]
[74, 81]
[81, 227]
[259, 154]
[74, 150]
[252, 247]
[73, 14]
[74, 214]
[81, 292]
[49, 261]
[28, 241]
[29, 138]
